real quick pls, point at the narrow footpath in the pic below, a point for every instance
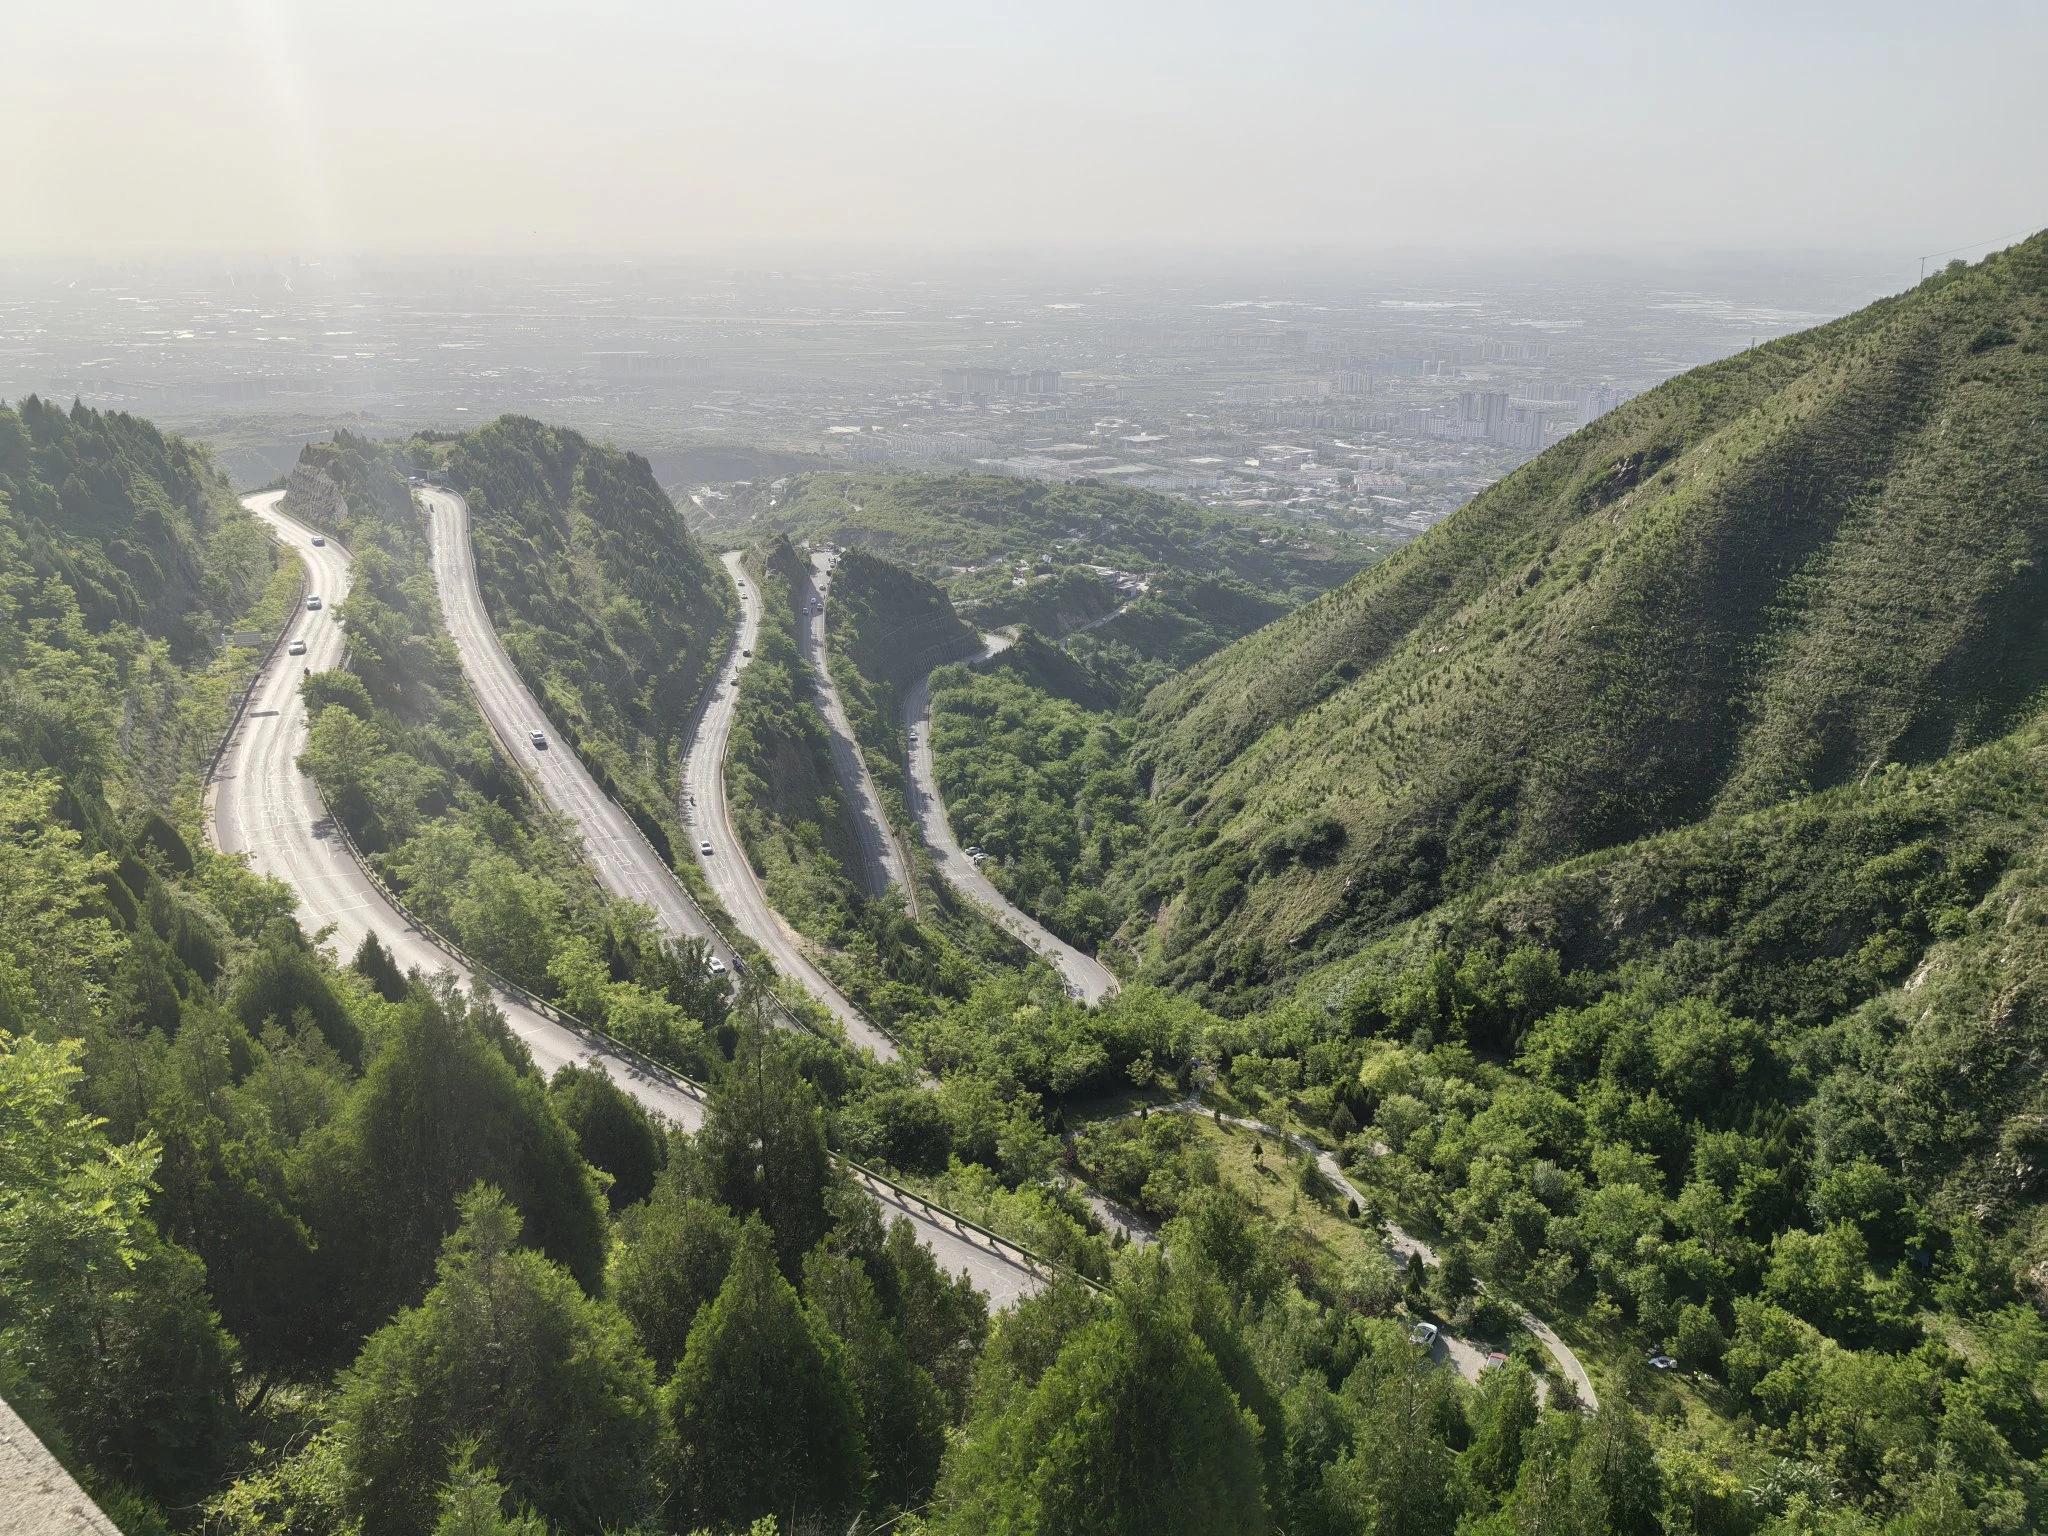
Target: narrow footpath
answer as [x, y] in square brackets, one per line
[1468, 1358]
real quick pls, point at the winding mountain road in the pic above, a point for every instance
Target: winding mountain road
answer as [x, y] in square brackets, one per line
[881, 860]
[1086, 977]
[625, 863]
[260, 806]
[709, 814]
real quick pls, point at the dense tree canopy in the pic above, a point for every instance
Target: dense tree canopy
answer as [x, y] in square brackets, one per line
[507, 1357]
[764, 1419]
[1131, 1427]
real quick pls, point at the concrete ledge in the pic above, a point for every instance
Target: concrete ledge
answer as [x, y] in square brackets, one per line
[37, 1496]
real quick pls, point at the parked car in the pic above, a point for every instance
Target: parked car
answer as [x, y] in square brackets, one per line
[1424, 1335]
[1662, 1363]
[538, 739]
[296, 648]
[313, 603]
[714, 966]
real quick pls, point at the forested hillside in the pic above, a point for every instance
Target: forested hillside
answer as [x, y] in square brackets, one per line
[795, 818]
[1624, 908]
[123, 559]
[1041, 781]
[286, 1247]
[405, 762]
[885, 628]
[1773, 574]
[1023, 551]
[892, 626]
[786, 799]
[611, 611]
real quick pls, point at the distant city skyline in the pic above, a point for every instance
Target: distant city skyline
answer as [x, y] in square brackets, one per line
[630, 127]
[1368, 403]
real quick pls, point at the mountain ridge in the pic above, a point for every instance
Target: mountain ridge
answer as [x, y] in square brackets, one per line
[1768, 575]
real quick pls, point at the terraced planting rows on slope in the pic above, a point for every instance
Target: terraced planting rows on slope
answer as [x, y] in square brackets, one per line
[1777, 572]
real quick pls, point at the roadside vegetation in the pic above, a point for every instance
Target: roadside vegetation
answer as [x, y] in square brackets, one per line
[1637, 884]
[1165, 580]
[796, 825]
[127, 562]
[613, 614]
[1043, 786]
[405, 761]
[885, 628]
[786, 799]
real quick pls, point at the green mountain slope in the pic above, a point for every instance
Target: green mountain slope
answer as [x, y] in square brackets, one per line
[609, 608]
[788, 805]
[1775, 573]
[885, 628]
[1025, 552]
[1888, 930]
[124, 559]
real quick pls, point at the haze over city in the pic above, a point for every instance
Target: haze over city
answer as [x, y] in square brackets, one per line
[1083, 768]
[375, 126]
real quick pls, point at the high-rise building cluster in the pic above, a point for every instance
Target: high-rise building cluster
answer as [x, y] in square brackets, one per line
[979, 386]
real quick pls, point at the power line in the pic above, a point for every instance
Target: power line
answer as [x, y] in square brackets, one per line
[1973, 245]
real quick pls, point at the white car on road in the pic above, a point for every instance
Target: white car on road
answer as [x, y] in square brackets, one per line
[705, 847]
[539, 740]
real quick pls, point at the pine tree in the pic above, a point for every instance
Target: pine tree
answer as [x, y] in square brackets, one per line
[506, 1355]
[613, 1132]
[764, 1420]
[1501, 1422]
[670, 1261]
[374, 962]
[1131, 1429]
[762, 1149]
[438, 1110]
[903, 1412]
[1616, 1486]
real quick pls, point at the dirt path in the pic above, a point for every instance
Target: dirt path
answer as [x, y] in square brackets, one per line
[1467, 1357]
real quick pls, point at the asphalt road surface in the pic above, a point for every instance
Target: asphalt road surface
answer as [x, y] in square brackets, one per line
[261, 806]
[625, 863]
[709, 816]
[1086, 977]
[881, 860]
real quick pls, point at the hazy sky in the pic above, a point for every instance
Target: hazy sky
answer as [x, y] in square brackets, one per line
[137, 126]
